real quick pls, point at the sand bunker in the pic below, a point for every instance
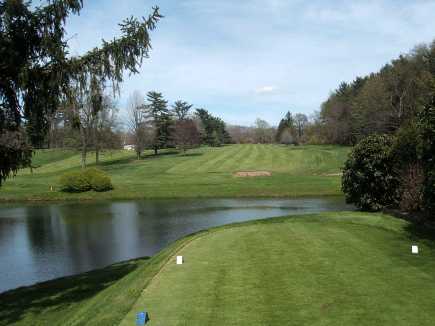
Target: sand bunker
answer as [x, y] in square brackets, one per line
[252, 174]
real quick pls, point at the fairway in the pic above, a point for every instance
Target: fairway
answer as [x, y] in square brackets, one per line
[356, 269]
[202, 172]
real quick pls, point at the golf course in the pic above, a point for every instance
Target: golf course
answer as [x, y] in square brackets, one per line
[332, 268]
[295, 171]
[217, 163]
[323, 269]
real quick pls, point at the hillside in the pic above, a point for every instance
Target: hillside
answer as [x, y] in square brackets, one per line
[202, 172]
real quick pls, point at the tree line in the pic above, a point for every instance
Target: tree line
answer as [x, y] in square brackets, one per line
[390, 118]
[153, 124]
[382, 102]
[293, 129]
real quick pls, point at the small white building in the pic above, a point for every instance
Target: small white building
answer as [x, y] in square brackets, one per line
[129, 147]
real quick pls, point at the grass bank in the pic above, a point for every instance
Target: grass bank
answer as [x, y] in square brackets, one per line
[324, 269]
[203, 172]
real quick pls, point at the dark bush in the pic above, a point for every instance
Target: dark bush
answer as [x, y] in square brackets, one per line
[81, 181]
[369, 179]
[411, 188]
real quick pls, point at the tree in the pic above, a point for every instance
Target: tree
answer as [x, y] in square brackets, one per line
[181, 109]
[214, 130]
[161, 119]
[37, 73]
[86, 108]
[186, 134]
[105, 123]
[286, 132]
[427, 135]
[138, 122]
[301, 120]
[369, 179]
[263, 132]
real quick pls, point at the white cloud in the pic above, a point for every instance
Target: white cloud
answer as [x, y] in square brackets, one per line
[265, 89]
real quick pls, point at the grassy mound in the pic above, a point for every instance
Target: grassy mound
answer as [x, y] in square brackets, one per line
[324, 269]
[203, 172]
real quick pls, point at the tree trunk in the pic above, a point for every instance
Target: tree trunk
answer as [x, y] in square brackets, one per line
[84, 147]
[155, 150]
[97, 155]
[83, 160]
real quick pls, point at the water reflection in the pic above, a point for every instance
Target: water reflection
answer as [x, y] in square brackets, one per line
[42, 242]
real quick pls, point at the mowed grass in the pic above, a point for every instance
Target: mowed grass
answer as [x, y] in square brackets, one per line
[346, 268]
[335, 269]
[202, 172]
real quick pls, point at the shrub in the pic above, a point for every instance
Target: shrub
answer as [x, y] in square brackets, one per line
[90, 179]
[74, 182]
[98, 180]
[369, 179]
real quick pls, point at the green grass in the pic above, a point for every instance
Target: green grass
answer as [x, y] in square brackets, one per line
[325, 269]
[204, 172]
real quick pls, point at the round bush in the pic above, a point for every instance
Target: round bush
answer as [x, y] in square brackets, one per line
[98, 180]
[89, 179]
[369, 179]
[74, 182]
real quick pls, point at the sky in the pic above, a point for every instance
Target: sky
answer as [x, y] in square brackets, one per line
[244, 60]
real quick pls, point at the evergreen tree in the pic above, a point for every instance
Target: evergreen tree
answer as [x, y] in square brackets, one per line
[215, 133]
[181, 109]
[162, 120]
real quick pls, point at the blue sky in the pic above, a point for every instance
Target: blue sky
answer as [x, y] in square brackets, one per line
[259, 58]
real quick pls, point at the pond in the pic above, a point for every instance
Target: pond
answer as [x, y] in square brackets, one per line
[42, 242]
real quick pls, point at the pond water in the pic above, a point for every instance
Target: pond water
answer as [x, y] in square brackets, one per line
[42, 242]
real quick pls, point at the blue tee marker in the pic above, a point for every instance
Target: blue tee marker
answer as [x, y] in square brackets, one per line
[142, 318]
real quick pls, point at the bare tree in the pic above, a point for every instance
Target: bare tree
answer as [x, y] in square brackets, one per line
[301, 121]
[105, 122]
[186, 134]
[263, 132]
[138, 121]
[85, 116]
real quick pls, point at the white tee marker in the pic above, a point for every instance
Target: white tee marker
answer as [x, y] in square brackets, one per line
[414, 250]
[179, 260]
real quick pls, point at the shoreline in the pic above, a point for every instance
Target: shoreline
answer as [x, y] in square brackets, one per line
[47, 201]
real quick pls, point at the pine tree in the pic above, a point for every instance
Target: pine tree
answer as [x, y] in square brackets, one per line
[181, 109]
[162, 120]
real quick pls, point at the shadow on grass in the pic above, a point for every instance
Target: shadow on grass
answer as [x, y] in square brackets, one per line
[421, 231]
[190, 154]
[160, 154]
[59, 294]
[124, 160]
